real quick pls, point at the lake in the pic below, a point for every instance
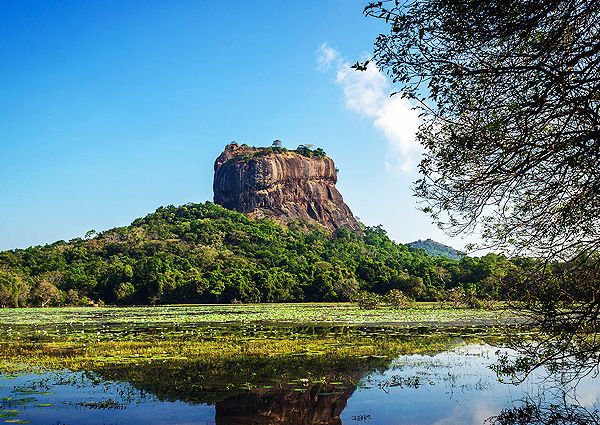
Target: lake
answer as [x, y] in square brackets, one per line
[105, 371]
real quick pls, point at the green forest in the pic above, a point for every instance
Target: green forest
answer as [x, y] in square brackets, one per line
[204, 253]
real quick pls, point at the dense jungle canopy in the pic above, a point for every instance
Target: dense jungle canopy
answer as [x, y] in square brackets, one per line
[204, 253]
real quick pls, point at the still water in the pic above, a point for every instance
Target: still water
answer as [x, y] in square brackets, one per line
[451, 387]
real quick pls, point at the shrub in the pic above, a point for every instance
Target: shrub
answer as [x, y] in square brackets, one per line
[456, 297]
[398, 299]
[368, 300]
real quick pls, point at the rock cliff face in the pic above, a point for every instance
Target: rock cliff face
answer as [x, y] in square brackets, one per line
[285, 186]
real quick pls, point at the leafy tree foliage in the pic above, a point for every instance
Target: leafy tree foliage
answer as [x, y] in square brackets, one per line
[510, 99]
[44, 293]
[510, 95]
[561, 300]
[205, 253]
[13, 289]
[306, 150]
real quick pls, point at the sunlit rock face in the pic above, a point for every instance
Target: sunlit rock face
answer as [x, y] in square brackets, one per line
[285, 186]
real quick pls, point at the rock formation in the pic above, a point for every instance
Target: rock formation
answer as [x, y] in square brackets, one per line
[320, 404]
[280, 184]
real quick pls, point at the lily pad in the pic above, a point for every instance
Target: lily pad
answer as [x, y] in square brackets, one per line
[18, 401]
[9, 413]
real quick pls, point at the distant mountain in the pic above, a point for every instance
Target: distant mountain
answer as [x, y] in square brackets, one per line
[437, 249]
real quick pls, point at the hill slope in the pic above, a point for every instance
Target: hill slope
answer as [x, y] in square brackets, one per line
[206, 253]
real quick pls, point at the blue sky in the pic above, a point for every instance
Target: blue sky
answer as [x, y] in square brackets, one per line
[109, 109]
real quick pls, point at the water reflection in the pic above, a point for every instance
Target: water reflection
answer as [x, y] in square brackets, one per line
[314, 404]
[454, 387]
[556, 403]
[459, 388]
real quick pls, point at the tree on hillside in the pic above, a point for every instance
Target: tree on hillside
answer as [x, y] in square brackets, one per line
[13, 289]
[510, 98]
[45, 293]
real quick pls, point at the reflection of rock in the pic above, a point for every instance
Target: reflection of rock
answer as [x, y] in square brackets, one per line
[221, 379]
[318, 404]
[210, 381]
[285, 186]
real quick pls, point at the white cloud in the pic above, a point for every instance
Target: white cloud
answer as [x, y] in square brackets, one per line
[476, 413]
[364, 91]
[326, 57]
[367, 93]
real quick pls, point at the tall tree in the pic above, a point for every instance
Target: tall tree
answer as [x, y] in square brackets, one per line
[509, 92]
[13, 289]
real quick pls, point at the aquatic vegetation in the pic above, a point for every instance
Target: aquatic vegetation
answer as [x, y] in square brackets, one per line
[215, 345]
[203, 353]
[79, 338]
[224, 356]
[102, 404]
[8, 413]
[70, 318]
